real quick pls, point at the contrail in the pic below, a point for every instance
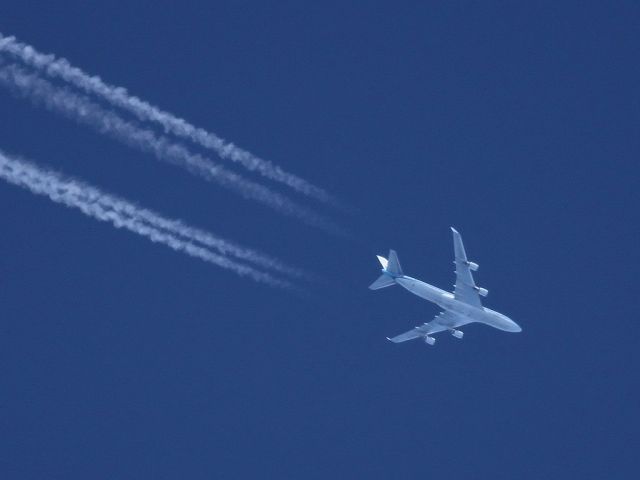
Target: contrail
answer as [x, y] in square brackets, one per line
[225, 247]
[76, 194]
[118, 96]
[83, 110]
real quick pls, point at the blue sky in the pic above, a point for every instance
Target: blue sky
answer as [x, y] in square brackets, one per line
[516, 124]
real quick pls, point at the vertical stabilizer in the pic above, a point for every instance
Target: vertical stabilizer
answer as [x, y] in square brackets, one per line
[390, 271]
[393, 265]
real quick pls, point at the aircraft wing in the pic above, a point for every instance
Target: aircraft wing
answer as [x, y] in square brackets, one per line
[441, 322]
[465, 289]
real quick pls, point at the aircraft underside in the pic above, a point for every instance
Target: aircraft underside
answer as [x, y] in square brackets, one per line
[460, 308]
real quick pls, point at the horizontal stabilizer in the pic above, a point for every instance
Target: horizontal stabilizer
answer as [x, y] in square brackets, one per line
[381, 282]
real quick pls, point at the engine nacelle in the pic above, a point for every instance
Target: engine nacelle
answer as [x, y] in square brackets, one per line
[429, 340]
[457, 333]
[473, 266]
[482, 291]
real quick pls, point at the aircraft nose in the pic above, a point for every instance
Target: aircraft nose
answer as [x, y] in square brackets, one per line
[509, 325]
[515, 327]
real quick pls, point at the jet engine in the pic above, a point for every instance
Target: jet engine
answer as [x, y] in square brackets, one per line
[457, 333]
[429, 340]
[473, 266]
[482, 291]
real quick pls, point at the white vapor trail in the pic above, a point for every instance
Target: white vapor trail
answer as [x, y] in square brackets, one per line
[179, 228]
[83, 110]
[123, 214]
[118, 96]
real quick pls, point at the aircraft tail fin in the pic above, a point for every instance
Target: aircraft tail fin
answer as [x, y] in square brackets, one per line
[383, 280]
[383, 261]
[391, 269]
[393, 265]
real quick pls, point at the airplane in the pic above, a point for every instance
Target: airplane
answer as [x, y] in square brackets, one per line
[460, 308]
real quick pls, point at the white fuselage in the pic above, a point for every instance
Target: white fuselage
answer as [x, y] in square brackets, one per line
[466, 313]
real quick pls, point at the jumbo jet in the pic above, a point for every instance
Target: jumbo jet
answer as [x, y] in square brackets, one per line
[460, 308]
